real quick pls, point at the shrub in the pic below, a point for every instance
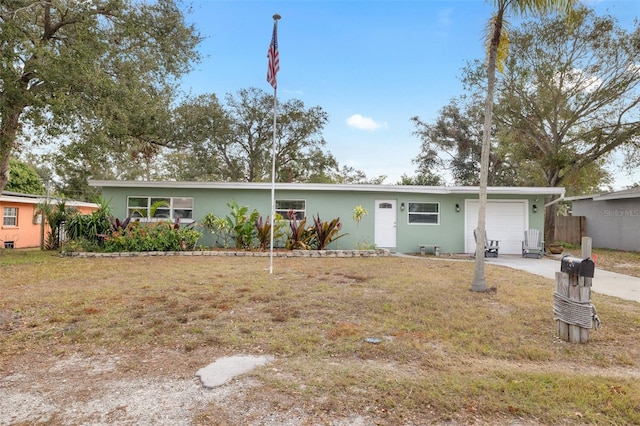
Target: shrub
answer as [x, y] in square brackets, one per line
[159, 236]
[89, 228]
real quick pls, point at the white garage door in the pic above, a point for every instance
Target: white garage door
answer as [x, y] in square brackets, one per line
[506, 222]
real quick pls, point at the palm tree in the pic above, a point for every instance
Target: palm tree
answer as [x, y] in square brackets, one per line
[497, 43]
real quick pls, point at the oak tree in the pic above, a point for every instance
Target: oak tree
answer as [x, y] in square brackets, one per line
[234, 141]
[70, 67]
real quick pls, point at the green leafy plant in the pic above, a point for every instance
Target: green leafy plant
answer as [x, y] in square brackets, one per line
[219, 228]
[55, 216]
[326, 232]
[242, 225]
[87, 229]
[100, 231]
[158, 236]
[358, 213]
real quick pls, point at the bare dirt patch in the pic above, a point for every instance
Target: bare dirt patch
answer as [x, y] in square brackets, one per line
[161, 389]
[158, 388]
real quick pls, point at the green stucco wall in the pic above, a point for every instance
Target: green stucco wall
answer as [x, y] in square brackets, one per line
[449, 233]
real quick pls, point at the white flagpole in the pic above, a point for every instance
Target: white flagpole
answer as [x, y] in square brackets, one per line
[276, 17]
[273, 180]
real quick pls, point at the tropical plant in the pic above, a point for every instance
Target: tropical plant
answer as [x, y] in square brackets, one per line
[299, 237]
[219, 228]
[358, 213]
[263, 231]
[242, 224]
[118, 225]
[87, 229]
[54, 216]
[324, 233]
[497, 44]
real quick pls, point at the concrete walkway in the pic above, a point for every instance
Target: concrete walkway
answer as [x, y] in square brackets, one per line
[604, 282]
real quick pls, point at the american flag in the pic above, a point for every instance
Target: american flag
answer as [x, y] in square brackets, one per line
[274, 58]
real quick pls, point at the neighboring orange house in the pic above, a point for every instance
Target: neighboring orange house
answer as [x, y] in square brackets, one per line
[20, 225]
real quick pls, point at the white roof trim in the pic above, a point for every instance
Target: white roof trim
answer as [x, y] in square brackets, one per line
[330, 187]
[39, 200]
[614, 196]
[606, 196]
[581, 197]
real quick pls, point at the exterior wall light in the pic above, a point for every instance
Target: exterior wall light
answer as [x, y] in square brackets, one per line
[535, 208]
[402, 206]
[457, 207]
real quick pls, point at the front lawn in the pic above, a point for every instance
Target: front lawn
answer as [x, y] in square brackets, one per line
[444, 354]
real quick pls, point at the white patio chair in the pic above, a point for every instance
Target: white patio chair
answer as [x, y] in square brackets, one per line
[533, 245]
[491, 247]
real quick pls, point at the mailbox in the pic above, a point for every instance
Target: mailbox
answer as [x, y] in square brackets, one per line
[577, 266]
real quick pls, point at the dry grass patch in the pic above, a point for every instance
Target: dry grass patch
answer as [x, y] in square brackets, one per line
[622, 262]
[443, 354]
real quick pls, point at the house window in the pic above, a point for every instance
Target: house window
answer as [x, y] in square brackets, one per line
[424, 213]
[10, 216]
[182, 207]
[153, 209]
[160, 208]
[299, 207]
[138, 207]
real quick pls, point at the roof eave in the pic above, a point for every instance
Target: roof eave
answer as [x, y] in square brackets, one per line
[330, 187]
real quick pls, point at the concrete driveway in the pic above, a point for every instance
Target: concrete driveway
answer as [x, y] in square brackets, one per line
[604, 282]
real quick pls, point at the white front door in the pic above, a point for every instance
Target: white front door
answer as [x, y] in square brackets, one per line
[385, 223]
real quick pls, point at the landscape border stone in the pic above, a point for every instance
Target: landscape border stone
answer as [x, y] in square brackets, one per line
[288, 253]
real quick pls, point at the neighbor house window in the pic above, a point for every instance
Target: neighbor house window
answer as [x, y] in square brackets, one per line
[424, 213]
[10, 216]
[160, 208]
[299, 207]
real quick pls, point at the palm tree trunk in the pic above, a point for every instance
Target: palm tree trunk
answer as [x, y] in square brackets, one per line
[479, 282]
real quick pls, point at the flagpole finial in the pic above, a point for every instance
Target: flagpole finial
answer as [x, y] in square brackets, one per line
[276, 17]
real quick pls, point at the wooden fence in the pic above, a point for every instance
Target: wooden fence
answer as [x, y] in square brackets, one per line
[570, 229]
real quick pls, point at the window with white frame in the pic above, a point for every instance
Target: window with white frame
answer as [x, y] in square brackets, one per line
[10, 216]
[424, 213]
[297, 207]
[153, 209]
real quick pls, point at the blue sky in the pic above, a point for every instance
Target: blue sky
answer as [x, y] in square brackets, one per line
[370, 64]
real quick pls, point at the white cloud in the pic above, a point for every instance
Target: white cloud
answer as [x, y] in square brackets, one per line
[293, 92]
[444, 18]
[361, 122]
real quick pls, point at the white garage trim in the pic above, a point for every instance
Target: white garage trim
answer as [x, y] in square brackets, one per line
[506, 221]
